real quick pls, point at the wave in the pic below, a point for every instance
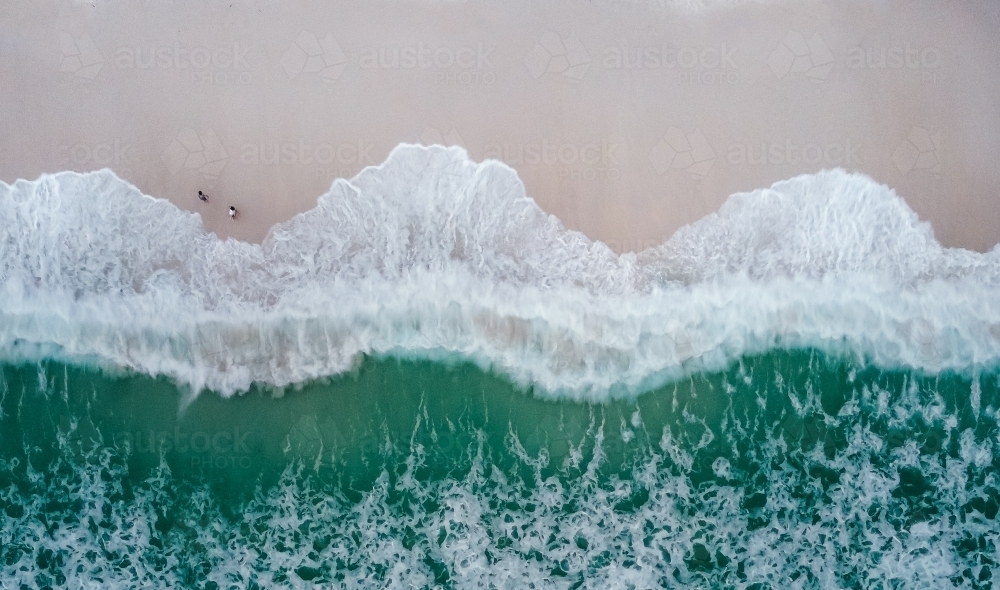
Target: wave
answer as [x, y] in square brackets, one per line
[830, 476]
[432, 255]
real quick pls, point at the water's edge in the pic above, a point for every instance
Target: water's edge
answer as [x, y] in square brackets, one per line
[434, 256]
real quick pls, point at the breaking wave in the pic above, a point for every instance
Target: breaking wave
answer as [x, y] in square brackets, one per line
[432, 255]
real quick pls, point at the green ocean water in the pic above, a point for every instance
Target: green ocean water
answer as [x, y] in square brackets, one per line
[799, 390]
[793, 468]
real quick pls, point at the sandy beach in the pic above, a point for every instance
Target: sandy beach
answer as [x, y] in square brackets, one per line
[422, 380]
[625, 120]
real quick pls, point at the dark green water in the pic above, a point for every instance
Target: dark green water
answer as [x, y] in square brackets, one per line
[789, 468]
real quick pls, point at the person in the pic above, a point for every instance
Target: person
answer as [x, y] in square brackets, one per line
[232, 213]
[202, 196]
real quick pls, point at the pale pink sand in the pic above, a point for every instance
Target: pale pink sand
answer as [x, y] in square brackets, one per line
[624, 149]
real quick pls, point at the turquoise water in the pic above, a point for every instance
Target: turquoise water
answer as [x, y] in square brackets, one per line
[791, 467]
[428, 382]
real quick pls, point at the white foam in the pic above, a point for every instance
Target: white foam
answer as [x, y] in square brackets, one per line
[432, 255]
[490, 527]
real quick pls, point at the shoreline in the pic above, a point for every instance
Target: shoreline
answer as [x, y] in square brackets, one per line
[625, 122]
[614, 247]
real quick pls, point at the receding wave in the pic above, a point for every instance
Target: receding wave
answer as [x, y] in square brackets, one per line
[432, 255]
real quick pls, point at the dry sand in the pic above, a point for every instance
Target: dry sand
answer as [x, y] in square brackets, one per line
[627, 120]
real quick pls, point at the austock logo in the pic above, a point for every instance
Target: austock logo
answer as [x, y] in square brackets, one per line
[552, 54]
[692, 65]
[229, 441]
[199, 449]
[212, 65]
[302, 153]
[421, 56]
[113, 154]
[893, 58]
[181, 57]
[691, 152]
[582, 161]
[678, 150]
[666, 56]
[203, 153]
[777, 153]
[80, 56]
[309, 55]
[794, 54]
[920, 150]
[552, 153]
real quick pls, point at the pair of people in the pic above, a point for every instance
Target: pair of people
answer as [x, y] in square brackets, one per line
[232, 210]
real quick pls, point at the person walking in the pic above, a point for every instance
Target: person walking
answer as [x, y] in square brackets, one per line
[232, 213]
[203, 196]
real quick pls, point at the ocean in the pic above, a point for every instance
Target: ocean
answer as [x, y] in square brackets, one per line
[427, 382]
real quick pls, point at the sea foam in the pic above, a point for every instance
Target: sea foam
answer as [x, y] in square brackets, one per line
[432, 255]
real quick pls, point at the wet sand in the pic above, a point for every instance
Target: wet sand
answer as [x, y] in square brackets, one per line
[626, 120]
